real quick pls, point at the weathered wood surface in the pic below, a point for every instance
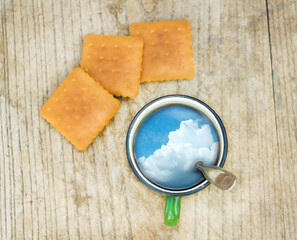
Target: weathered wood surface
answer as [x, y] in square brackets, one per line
[245, 56]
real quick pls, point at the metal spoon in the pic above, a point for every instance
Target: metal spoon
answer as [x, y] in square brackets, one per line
[218, 176]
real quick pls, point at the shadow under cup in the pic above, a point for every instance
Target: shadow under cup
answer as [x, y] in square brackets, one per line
[165, 140]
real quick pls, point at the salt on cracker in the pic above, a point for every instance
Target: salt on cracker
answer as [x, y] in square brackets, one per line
[167, 53]
[114, 61]
[79, 108]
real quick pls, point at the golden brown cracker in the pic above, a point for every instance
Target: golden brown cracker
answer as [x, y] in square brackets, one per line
[79, 108]
[114, 61]
[167, 53]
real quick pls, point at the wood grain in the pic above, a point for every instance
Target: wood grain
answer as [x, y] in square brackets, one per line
[244, 55]
[283, 36]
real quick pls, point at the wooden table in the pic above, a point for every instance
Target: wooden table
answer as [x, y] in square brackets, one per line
[245, 55]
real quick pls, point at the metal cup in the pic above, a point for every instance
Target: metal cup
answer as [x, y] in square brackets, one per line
[173, 197]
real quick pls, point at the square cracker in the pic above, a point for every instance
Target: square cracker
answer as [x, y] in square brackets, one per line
[167, 53]
[114, 61]
[79, 108]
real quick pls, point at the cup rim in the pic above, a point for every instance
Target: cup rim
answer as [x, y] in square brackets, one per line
[172, 100]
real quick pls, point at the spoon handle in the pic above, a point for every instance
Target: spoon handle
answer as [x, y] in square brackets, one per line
[218, 176]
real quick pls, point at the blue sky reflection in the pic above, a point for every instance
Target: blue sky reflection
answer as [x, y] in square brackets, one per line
[169, 142]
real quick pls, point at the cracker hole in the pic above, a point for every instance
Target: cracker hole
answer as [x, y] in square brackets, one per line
[77, 117]
[84, 89]
[88, 57]
[101, 58]
[67, 108]
[75, 99]
[165, 30]
[100, 70]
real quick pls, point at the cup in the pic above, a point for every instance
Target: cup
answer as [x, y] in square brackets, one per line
[166, 164]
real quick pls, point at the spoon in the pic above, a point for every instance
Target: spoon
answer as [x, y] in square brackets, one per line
[218, 176]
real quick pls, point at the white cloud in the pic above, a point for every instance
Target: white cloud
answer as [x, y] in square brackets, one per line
[186, 145]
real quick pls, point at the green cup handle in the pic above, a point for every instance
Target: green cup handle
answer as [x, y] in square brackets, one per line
[172, 210]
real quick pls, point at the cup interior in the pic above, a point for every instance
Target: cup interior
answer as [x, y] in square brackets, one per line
[165, 138]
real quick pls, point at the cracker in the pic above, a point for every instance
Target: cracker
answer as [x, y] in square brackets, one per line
[79, 108]
[114, 61]
[167, 53]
